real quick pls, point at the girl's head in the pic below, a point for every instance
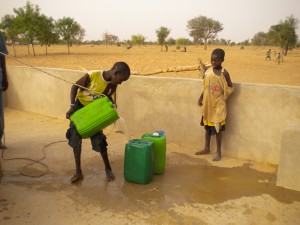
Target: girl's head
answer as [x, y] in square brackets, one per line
[217, 57]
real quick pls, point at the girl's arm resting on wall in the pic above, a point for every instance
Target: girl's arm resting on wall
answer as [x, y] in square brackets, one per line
[200, 100]
[228, 80]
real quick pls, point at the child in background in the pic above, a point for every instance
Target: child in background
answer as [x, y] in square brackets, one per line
[104, 82]
[279, 58]
[268, 55]
[217, 88]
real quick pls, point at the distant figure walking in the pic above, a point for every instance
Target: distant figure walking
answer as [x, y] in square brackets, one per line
[166, 47]
[268, 54]
[279, 58]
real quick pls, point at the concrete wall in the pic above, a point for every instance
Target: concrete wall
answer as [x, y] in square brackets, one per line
[34, 91]
[257, 114]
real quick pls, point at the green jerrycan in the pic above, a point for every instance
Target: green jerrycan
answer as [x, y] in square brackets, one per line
[138, 161]
[159, 146]
[94, 117]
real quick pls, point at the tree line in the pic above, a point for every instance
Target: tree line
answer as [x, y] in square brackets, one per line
[282, 35]
[28, 26]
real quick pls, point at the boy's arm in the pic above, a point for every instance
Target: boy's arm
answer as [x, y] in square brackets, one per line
[227, 77]
[109, 91]
[110, 96]
[83, 81]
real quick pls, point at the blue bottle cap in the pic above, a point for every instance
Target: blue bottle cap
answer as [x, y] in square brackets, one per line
[160, 132]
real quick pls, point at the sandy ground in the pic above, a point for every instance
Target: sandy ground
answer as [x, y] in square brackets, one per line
[244, 65]
[193, 189]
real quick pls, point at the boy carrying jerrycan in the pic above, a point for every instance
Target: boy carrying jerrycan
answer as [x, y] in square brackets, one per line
[84, 100]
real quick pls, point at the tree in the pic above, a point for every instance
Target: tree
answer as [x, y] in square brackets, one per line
[183, 42]
[110, 38]
[46, 34]
[244, 43]
[106, 38]
[284, 34]
[138, 39]
[171, 41]
[162, 33]
[29, 26]
[79, 38]
[205, 28]
[223, 41]
[127, 44]
[7, 24]
[260, 39]
[25, 23]
[69, 30]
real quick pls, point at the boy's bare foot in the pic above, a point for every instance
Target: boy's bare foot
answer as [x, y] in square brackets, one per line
[203, 152]
[76, 178]
[217, 157]
[109, 175]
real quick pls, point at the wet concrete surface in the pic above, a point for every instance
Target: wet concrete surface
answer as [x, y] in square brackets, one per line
[193, 189]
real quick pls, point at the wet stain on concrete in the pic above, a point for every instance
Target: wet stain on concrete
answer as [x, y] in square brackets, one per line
[194, 183]
[186, 179]
[5, 206]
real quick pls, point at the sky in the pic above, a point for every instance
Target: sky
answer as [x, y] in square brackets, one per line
[241, 19]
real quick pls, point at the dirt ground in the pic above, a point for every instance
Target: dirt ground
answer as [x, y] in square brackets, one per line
[194, 190]
[244, 65]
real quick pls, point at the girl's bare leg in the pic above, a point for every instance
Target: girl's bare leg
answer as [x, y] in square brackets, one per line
[219, 142]
[206, 149]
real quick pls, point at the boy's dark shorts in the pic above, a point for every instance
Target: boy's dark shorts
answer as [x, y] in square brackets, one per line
[98, 141]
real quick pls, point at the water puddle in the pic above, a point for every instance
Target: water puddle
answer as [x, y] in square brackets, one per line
[186, 180]
[181, 184]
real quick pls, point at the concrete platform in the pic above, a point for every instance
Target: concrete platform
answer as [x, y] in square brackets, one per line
[193, 190]
[288, 169]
